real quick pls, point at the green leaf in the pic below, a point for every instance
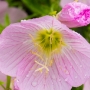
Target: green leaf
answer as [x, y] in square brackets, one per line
[1, 82]
[7, 20]
[78, 88]
[1, 28]
[8, 83]
[41, 7]
[6, 23]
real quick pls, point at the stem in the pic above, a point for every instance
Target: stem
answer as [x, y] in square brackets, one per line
[8, 83]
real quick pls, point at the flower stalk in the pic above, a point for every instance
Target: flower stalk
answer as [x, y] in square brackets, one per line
[8, 83]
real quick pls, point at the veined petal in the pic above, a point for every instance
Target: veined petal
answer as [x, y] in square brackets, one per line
[31, 80]
[15, 45]
[45, 22]
[73, 62]
[16, 42]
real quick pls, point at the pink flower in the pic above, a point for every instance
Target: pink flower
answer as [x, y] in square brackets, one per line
[15, 14]
[44, 54]
[64, 2]
[75, 14]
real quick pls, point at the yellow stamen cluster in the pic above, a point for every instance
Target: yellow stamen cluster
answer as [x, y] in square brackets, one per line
[49, 42]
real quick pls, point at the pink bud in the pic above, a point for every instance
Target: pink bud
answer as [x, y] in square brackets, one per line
[75, 14]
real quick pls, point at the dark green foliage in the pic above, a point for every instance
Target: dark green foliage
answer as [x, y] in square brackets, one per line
[79, 88]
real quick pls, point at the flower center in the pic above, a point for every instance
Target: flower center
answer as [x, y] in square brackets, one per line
[47, 42]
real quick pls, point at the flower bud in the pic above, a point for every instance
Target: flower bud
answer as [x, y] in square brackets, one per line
[75, 14]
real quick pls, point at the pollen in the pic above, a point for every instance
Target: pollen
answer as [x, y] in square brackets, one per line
[42, 67]
[49, 40]
[47, 44]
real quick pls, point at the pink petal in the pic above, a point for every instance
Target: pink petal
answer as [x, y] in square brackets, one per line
[28, 79]
[16, 43]
[74, 62]
[75, 14]
[43, 22]
[87, 85]
[15, 85]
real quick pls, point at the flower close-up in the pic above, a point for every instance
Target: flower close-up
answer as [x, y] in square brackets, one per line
[43, 54]
[75, 14]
